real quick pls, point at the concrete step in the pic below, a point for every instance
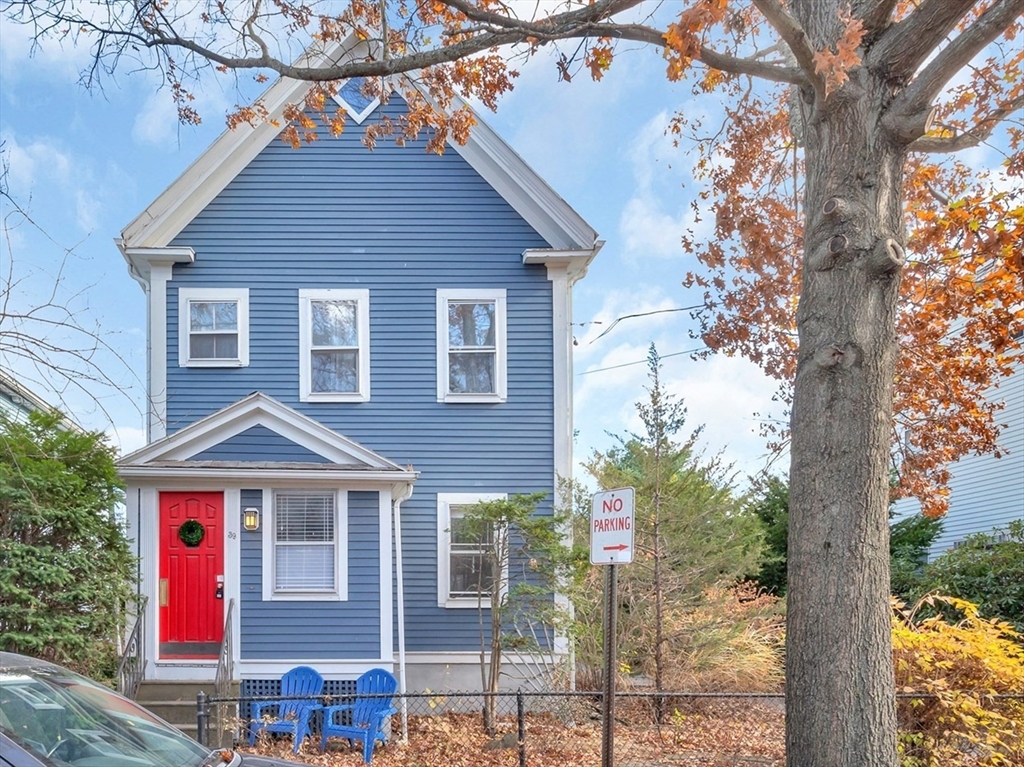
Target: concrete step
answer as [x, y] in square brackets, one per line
[154, 690]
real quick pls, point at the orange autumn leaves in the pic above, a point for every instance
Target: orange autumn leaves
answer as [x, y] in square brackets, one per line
[961, 298]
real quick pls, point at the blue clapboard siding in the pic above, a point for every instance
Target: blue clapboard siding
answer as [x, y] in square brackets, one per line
[312, 630]
[986, 492]
[258, 444]
[401, 223]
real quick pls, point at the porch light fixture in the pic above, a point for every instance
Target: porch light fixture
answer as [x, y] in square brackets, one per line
[251, 519]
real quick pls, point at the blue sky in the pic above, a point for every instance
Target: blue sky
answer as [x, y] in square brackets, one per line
[84, 163]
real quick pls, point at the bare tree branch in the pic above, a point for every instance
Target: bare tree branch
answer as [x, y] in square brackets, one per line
[951, 59]
[48, 343]
[879, 16]
[979, 133]
[592, 21]
[789, 29]
[906, 44]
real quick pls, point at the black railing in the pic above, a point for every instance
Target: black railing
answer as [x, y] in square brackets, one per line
[131, 668]
[649, 725]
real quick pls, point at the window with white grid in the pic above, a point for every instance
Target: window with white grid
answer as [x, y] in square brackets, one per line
[464, 571]
[213, 327]
[308, 545]
[334, 345]
[471, 346]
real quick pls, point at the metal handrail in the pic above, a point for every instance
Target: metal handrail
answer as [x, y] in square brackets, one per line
[131, 669]
[225, 661]
[225, 674]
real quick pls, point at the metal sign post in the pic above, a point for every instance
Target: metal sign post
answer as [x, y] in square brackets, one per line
[611, 543]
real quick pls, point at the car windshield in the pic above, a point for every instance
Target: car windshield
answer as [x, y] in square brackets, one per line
[68, 721]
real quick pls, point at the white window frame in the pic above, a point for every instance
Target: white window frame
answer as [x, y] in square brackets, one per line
[269, 532]
[444, 541]
[498, 296]
[357, 117]
[187, 295]
[362, 299]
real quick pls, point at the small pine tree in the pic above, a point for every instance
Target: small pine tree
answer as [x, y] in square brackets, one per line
[691, 531]
[66, 571]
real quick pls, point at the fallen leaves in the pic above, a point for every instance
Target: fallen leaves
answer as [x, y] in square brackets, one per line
[709, 734]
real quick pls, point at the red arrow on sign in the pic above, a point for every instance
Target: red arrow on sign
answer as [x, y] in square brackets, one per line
[617, 547]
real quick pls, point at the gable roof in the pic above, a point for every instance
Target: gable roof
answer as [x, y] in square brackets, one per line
[499, 165]
[182, 449]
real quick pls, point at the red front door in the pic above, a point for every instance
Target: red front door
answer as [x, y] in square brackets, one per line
[191, 589]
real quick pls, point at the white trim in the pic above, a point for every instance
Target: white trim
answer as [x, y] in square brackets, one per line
[444, 503]
[483, 295]
[190, 476]
[224, 295]
[400, 494]
[520, 186]
[329, 668]
[387, 635]
[258, 409]
[468, 656]
[153, 268]
[361, 297]
[357, 117]
[341, 543]
[233, 563]
[156, 310]
[266, 547]
[485, 151]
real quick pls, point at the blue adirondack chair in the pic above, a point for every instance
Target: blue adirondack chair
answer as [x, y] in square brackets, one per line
[363, 719]
[289, 716]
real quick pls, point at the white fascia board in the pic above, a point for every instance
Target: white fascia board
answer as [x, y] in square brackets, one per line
[253, 410]
[304, 477]
[142, 261]
[575, 262]
[522, 188]
[225, 158]
[551, 216]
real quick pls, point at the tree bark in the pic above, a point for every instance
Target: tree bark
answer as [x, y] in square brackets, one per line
[840, 706]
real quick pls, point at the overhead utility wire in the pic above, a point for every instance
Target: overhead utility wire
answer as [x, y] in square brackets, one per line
[644, 314]
[641, 362]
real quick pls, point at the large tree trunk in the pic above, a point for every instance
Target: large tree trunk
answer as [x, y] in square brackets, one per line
[840, 708]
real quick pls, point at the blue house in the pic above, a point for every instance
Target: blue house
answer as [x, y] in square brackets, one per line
[986, 493]
[345, 348]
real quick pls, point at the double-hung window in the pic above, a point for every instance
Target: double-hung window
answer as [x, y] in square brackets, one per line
[471, 346]
[334, 344]
[213, 327]
[308, 558]
[465, 570]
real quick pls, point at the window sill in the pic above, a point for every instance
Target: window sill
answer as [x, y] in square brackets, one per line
[466, 604]
[473, 398]
[335, 397]
[214, 364]
[310, 596]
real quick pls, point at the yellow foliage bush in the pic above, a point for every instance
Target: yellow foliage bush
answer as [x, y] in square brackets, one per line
[960, 667]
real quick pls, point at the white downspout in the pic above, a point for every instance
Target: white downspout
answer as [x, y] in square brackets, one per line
[400, 496]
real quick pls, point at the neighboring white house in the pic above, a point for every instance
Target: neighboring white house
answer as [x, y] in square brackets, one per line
[16, 401]
[986, 492]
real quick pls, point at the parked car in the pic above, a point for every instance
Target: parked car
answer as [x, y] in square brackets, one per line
[53, 717]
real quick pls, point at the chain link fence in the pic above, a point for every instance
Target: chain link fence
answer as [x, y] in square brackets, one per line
[531, 729]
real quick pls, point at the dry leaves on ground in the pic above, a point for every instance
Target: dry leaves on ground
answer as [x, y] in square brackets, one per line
[730, 735]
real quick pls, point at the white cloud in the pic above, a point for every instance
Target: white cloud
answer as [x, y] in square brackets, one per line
[653, 221]
[157, 121]
[36, 160]
[53, 58]
[126, 438]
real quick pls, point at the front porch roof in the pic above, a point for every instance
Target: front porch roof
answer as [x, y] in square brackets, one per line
[343, 458]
